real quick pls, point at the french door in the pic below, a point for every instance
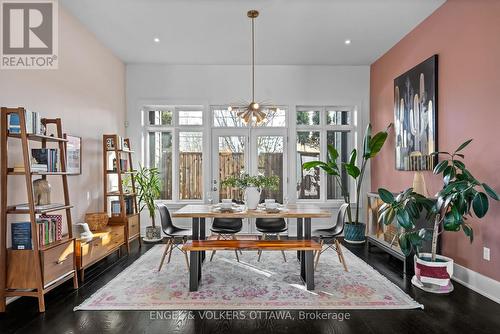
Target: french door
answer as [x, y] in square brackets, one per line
[253, 150]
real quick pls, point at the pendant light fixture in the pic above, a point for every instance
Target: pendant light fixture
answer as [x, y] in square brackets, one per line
[252, 112]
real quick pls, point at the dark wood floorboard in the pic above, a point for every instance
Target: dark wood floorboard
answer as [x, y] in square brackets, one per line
[464, 311]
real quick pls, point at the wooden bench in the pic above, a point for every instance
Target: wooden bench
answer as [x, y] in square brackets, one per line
[197, 247]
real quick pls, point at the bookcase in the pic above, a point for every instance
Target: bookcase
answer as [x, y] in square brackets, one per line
[120, 200]
[40, 267]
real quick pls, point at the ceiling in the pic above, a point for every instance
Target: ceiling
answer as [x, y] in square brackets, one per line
[288, 32]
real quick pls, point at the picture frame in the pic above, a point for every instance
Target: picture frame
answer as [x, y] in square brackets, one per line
[73, 147]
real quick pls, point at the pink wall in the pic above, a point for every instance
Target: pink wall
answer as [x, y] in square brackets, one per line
[87, 92]
[465, 34]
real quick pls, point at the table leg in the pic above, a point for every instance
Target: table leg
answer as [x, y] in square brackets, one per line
[299, 234]
[194, 257]
[202, 237]
[305, 271]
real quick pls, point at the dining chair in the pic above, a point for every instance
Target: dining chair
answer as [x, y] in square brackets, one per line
[173, 233]
[328, 237]
[270, 226]
[226, 229]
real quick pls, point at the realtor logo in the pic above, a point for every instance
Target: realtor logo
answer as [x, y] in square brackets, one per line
[29, 34]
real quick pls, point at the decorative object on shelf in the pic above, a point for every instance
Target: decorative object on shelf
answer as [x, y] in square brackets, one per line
[83, 231]
[252, 186]
[73, 154]
[354, 230]
[96, 220]
[110, 143]
[148, 190]
[41, 192]
[415, 108]
[461, 196]
[252, 112]
[419, 185]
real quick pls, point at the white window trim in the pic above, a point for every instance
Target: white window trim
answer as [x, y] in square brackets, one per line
[323, 128]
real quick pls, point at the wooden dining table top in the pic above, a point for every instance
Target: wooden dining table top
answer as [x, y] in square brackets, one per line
[291, 211]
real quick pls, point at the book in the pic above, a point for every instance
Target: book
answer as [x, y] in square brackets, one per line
[56, 227]
[115, 208]
[33, 123]
[21, 235]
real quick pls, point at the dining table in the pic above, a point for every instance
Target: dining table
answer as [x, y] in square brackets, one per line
[303, 213]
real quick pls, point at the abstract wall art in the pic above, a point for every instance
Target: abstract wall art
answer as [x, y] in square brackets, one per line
[415, 116]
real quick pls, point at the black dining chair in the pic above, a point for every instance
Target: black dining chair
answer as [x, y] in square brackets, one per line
[328, 237]
[271, 226]
[226, 229]
[173, 233]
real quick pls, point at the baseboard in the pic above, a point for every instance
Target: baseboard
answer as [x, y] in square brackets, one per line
[483, 285]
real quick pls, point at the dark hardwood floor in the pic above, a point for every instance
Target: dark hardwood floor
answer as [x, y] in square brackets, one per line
[464, 311]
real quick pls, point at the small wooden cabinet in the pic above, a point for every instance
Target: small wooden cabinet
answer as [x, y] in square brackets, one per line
[104, 242]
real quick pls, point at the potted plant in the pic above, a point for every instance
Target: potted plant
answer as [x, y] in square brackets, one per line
[354, 231]
[252, 186]
[148, 190]
[462, 196]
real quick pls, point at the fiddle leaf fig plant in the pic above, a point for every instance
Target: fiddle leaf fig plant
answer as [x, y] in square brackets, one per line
[461, 197]
[148, 189]
[371, 147]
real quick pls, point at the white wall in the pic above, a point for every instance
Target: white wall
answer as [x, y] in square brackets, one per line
[216, 84]
[87, 92]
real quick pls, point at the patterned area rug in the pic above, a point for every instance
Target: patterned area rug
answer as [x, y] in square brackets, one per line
[267, 285]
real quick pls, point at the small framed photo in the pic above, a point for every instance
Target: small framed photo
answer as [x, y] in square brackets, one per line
[73, 154]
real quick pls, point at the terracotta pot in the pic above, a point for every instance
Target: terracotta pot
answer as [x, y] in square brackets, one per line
[433, 276]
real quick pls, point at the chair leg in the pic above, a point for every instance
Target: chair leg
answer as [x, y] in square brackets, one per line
[260, 252]
[282, 252]
[164, 253]
[172, 244]
[318, 253]
[236, 250]
[185, 253]
[341, 255]
[213, 252]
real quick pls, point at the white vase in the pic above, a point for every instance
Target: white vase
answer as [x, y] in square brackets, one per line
[252, 197]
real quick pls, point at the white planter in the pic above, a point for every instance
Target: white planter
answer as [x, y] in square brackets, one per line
[433, 276]
[252, 197]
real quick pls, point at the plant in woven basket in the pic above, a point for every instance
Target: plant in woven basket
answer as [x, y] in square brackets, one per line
[148, 187]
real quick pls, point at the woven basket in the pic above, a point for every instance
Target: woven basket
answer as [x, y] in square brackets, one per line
[390, 232]
[96, 220]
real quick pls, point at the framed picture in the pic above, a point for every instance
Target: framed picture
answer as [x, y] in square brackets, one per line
[415, 116]
[73, 154]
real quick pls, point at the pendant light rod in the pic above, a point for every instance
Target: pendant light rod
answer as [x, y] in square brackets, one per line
[252, 14]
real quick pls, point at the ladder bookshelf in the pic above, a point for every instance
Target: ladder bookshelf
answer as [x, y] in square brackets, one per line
[33, 272]
[118, 149]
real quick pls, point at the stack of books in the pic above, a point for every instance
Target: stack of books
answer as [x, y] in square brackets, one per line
[129, 208]
[18, 169]
[33, 123]
[123, 165]
[44, 159]
[49, 228]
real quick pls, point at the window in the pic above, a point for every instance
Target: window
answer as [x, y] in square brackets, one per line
[316, 128]
[270, 162]
[174, 140]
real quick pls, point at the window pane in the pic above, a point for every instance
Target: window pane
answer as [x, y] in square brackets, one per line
[307, 117]
[160, 116]
[160, 156]
[190, 117]
[231, 163]
[270, 158]
[340, 140]
[275, 117]
[190, 165]
[308, 186]
[225, 118]
[338, 117]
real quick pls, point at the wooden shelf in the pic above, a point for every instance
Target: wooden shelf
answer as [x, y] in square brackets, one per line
[120, 150]
[117, 193]
[126, 172]
[38, 173]
[64, 240]
[38, 137]
[13, 211]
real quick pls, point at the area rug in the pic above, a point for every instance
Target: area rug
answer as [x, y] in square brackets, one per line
[226, 284]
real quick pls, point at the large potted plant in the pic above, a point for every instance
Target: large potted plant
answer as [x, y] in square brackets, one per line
[354, 231]
[462, 196]
[148, 190]
[252, 186]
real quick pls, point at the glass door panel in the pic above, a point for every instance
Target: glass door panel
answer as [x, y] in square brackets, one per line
[270, 162]
[231, 161]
